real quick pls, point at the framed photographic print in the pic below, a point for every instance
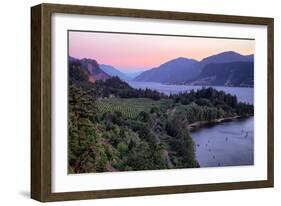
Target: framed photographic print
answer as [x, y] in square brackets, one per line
[130, 102]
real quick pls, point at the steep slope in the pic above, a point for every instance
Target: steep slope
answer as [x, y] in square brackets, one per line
[133, 75]
[91, 66]
[239, 74]
[226, 57]
[183, 70]
[110, 70]
[176, 70]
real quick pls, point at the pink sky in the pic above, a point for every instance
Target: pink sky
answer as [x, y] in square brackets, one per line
[131, 52]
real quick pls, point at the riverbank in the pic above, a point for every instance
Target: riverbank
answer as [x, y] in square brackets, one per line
[196, 125]
[207, 85]
[243, 94]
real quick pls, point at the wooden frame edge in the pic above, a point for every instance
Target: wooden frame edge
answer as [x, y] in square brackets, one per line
[36, 58]
[157, 14]
[270, 99]
[84, 195]
[41, 102]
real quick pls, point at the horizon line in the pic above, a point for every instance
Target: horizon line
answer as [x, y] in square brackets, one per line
[168, 60]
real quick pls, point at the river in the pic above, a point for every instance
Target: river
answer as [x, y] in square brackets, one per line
[244, 94]
[225, 144]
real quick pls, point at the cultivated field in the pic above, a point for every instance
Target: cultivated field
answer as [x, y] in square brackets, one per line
[131, 107]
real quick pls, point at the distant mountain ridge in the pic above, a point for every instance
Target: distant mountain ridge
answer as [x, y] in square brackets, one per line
[112, 71]
[176, 70]
[189, 71]
[239, 74]
[226, 57]
[133, 75]
[223, 69]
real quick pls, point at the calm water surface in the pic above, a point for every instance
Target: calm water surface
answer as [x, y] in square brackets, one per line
[224, 144]
[243, 94]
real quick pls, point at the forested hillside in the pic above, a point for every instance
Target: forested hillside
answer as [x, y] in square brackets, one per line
[113, 127]
[238, 74]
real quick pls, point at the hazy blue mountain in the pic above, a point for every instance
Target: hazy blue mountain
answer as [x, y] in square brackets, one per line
[238, 74]
[176, 70]
[225, 57]
[184, 70]
[213, 70]
[133, 75]
[112, 71]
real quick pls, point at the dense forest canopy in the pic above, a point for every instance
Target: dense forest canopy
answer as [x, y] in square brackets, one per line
[114, 127]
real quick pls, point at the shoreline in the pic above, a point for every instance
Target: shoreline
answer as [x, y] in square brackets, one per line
[207, 85]
[174, 84]
[199, 124]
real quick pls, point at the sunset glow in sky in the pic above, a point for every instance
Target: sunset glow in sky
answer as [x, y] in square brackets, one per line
[131, 52]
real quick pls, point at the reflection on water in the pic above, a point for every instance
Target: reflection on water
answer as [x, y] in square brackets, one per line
[225, 144]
